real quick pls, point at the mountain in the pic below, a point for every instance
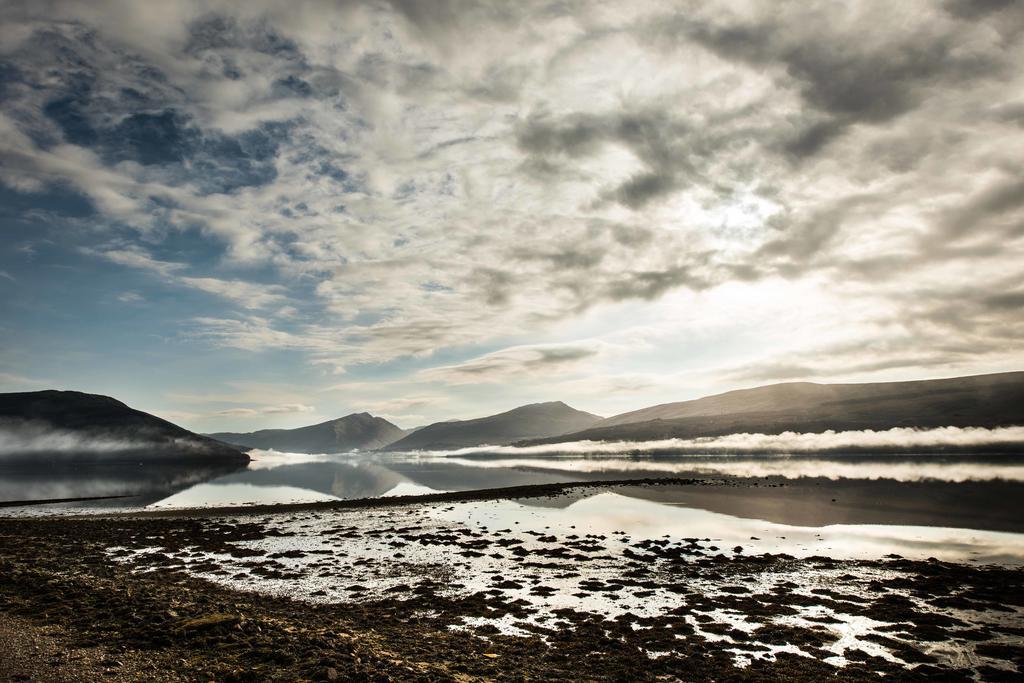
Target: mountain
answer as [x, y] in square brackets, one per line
[526, 422]
[977, 401]
[71, 426]
[356, 431]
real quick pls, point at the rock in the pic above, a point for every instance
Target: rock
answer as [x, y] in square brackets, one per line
[208, 621]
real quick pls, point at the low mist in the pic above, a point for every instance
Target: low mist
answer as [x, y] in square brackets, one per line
[897, 440]
[20, 438]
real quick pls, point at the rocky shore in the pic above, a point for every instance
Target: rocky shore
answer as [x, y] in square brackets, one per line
[227, 596]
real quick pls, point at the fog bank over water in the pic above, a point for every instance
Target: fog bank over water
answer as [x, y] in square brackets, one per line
[900, 439]
[25, 437]
[28, 436]
[451, 471]
[867, 467]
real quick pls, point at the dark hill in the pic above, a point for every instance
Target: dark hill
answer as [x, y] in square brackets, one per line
[530, 421]
[65, 426]
[356, 431]
[976, 401]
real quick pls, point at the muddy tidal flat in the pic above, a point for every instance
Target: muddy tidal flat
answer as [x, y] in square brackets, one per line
[566, 581]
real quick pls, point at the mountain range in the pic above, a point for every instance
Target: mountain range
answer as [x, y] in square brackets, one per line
[358, 431]
[995, 400]
[55, 424]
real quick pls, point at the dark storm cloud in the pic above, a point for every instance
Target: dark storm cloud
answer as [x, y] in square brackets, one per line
[573, 137]
[867, 86]
[512, 362]
[1001, 199]
[811, 138]
[804, 238]
[582, 257]
[652, 284]
[975, 308]
[1013, 301]
[494, 285]
[557, 355]
[847, 79]
[972, 9]
[675, 154]
[644, 187]
[1010, 113]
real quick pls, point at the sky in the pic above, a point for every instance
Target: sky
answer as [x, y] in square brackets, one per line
[240, 215]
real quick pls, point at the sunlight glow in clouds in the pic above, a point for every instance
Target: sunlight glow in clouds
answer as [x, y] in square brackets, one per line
[563, 199]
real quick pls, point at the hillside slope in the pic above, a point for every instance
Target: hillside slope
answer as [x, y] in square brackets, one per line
[976, 401]
[525, 422]
[356, 431]
[41, 426]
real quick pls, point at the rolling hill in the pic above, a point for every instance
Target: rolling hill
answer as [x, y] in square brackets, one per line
[977, 401]
[525, 422]
[71, 426]
[360, 431]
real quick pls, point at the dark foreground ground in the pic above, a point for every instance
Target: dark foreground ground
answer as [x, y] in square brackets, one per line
[69, 611]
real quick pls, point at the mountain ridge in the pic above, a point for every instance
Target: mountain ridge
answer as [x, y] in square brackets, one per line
[533, 420]
[361, 431]
[992, 400]
[73, 425]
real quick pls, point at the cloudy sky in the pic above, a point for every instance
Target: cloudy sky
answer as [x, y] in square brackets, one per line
[250, 214]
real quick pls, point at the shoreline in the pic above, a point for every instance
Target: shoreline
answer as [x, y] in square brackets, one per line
[808, 501]
[473, 495]
[150, 588]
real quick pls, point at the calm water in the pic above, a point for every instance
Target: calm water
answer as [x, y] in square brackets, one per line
[962, 507]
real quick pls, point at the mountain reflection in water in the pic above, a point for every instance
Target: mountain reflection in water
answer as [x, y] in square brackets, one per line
[974, 492]
[145, 483]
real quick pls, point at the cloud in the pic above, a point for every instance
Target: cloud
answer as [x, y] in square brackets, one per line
[130, 298]
[668, 148]
[21, 381]
[283, 409]
[846, 79]
[246, 294]
[382, 188]
[513, 362]
[399, 406]
[973, 9]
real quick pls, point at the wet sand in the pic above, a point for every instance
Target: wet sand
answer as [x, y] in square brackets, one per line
[433, 589]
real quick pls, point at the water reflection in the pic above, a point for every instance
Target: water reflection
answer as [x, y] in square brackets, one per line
[608, 513]
[285, 482]
[144, 482]
[944, 491]
[804, 491]
[223, 493]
